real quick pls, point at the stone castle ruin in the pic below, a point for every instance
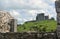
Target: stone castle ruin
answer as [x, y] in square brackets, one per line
[57, 4]
[41, 17]
[7, 22]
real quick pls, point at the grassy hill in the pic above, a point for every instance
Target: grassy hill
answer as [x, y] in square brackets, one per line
[41, 26]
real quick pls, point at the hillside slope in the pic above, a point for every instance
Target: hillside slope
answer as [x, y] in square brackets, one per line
[41, 26]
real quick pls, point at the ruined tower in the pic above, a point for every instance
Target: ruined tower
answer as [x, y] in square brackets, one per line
[7, 22]
[40, 17]
[57, 4]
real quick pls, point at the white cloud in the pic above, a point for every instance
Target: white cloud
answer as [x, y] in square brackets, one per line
[46, 12]
[25, 4]
[53, 0]
[30, 8]
[29, 14]
[15, 13]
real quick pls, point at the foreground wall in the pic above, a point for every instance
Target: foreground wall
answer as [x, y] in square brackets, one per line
[25, 35]
[57, 4]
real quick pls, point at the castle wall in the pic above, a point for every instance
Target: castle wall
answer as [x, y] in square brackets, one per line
[7, 22]
[57, 4]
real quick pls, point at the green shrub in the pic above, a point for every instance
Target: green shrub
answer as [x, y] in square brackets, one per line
[41, 26]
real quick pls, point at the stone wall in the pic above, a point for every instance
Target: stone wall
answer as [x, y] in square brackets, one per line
[57, 5]
[30, 35]
[7, 22]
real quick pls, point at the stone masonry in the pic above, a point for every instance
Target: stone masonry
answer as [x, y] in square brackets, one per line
[27, 35]
[57, 4]
[7, 22]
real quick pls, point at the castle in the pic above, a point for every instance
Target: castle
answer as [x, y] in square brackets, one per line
[41, 17]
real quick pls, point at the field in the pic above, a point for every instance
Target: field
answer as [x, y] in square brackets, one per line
[40, 26]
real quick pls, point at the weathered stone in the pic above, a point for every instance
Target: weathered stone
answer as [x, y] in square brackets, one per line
[57, 4]
[26, 35]
[7, 22]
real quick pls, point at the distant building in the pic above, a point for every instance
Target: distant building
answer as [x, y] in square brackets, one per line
[41, 17]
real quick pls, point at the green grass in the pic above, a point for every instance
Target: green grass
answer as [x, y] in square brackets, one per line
[41, 26]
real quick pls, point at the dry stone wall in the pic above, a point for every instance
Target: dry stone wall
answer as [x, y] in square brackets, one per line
[30, 35]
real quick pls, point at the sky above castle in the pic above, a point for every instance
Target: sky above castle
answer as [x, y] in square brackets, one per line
[26, 10]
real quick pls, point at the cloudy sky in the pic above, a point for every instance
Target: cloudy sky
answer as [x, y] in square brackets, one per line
[26, 10]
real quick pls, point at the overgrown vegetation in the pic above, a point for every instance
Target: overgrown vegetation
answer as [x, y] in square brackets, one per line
[41, 26]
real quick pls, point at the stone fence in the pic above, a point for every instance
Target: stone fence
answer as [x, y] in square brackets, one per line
[26, 35]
